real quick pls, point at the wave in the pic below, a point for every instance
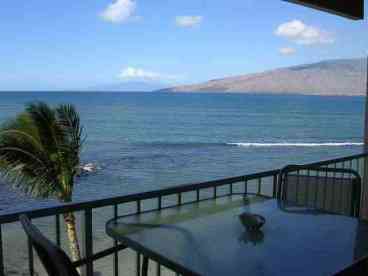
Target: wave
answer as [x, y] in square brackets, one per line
[286, 144]
[249, 144]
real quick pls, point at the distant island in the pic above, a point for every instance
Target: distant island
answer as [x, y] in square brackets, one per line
[343, 77]
[128, 86]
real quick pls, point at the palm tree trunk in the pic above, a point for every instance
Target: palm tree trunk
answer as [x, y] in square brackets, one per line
[71, 230]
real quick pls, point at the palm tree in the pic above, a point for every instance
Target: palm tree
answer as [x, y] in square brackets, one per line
[39, 154]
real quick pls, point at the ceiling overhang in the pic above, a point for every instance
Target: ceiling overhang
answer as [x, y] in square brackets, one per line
[352, 9]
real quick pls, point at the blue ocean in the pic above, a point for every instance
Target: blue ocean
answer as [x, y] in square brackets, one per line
[146, 141]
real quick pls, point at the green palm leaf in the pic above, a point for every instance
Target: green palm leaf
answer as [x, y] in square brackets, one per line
[40, 148]
[39, 154]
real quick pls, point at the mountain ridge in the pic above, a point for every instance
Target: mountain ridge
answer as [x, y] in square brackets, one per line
[336, 77]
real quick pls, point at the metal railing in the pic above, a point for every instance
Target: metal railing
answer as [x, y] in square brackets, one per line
[262, 183]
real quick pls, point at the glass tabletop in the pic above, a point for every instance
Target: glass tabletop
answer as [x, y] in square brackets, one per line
[209, 239]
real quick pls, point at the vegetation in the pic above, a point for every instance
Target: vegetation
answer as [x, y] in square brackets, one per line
[40, 154]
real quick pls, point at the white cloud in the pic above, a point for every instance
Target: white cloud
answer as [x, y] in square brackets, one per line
[301, 33]
[287, 51]
[188, 21]
[119, 11]
[133, 73]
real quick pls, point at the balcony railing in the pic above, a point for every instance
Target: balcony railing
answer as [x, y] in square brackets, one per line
[91, 216]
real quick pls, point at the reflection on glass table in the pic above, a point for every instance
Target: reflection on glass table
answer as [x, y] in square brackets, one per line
[208, 238]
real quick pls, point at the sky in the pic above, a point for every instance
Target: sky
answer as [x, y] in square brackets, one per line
[76, 45]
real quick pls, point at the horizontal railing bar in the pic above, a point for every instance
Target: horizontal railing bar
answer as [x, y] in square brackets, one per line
[100, 255]
[75, 207]
[78, 206]
[195, 201]
[296, 168]
[337, 160]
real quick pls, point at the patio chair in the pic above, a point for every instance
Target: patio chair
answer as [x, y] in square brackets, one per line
[358, 268]
[334, 190]
[55, 261]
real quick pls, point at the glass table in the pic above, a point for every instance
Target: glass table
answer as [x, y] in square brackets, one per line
[208, 238]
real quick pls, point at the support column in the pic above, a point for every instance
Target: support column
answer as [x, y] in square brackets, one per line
[366, 114]
[364, 209]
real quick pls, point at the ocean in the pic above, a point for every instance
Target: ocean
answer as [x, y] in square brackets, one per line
[147, 141]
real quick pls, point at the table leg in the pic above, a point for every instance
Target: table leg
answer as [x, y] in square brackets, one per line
[145, 266]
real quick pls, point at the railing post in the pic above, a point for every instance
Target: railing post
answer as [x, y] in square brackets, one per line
[325, 190]
[315, 203]
[159, 202]
[138, 264]
[88, 242]
[2, 269]
[307, 188]
[138, 256]
[179, 199]
[297, 185]
[274, 189]
[259, 186]
[364, 190]
[30, 257]
[116, 254]
[57, 230]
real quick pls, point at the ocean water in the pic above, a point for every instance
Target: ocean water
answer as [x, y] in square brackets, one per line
[146, 141]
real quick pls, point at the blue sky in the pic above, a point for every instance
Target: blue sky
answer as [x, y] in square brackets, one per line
[80, 44]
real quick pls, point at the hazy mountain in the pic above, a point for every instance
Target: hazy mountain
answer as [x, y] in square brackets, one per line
[332, 77]
[130, 86]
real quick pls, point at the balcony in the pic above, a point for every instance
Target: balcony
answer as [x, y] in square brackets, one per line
[103, 256]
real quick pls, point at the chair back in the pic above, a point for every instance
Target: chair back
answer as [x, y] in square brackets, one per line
[329, 189]
[358, 268]
[55, 261]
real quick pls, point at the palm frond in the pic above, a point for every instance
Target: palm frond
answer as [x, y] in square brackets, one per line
[25, 165]
[39, 150]
[27, 173]
[44, 119]
[69, 121]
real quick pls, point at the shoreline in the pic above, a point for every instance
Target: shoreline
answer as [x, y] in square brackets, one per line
[271, 94]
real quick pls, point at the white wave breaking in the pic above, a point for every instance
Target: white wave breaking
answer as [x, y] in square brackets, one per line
[330, 144]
